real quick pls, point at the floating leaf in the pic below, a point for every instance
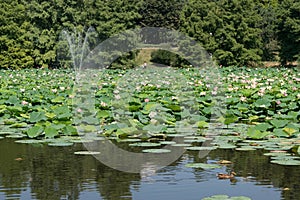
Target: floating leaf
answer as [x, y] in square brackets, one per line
[156, 150]
[35, 131]
[103, 114]
[202, 124]
[51, 132]
[29, 141]
[86, 153]
[289, 131]
[240, 198]
[69, 130]
[37, 116]
[245, 149]
[13, 100]
[262, 127]
[129, 140]
[61, 144]
[145, 144]
[16, 136]
[181, 145]
[226, 146]
[19, 125]
[154, 128]
[167, 142]
[286, 162]
[200, 148]
[203, 165]
[279, 123]
[256, 134]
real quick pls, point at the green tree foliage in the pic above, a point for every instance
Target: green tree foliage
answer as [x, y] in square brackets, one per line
[268, 10]
[289, 31]
[161, 13]
[235, 32]
[226, 28]
[16, 41]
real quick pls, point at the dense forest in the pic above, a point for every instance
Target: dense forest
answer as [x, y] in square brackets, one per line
[235, 32]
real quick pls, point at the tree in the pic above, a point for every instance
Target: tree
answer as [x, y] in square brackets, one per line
[289, 31]
[268, 10]
[16, 42]
[227, 29]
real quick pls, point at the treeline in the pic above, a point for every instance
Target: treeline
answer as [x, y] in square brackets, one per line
[235, 32]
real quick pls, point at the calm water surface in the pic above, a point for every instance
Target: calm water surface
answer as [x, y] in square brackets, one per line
[42, 172]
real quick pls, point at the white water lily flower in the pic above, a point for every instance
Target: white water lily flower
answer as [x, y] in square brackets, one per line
[152, 114]
[202, 93]
[103, 104]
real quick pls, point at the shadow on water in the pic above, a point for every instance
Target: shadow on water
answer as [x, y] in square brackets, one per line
[35, 172]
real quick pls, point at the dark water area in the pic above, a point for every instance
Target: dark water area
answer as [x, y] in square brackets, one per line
[43, 172]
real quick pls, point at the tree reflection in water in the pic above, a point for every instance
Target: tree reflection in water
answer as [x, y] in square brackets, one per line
[56, 173]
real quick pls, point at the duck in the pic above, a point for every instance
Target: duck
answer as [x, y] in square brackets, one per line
[226, 176]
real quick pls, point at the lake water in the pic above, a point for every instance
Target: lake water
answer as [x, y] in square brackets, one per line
[42, 172]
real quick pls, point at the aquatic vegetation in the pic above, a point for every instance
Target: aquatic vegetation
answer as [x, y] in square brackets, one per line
[203, 165]
[148, 107]
[226, 197]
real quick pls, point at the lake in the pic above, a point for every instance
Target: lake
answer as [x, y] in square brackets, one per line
[43, 172]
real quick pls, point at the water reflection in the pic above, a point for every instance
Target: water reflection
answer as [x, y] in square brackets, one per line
[35, 172]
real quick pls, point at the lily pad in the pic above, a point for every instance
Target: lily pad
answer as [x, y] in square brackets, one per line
[201, 148]
[145, 144]
[240, 198]
[226, 146]
[217, 197]
[156, 150]
[286, 162]
[245, 149]
[181, 145]
[129, 140]
[15, 136]
[60, 144]
[86, 153]
[29, 141]
[203, 165]
[277, 154]
[167, 142]
[225, 197]
[284, 157]
[194, 140]
[81, 141]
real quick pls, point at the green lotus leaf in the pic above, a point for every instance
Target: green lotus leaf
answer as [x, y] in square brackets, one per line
[35, 131]
[86, 153]
[240, 198]
[69, 130]
[201, 148]
[245, 149]
[19, 125]
[202, 124]
[145, 144]
[60, 144]
[203, 165]
[37, 116]
[51, 132]
[279, 123]
[155, 128]
[286, 162]
[103, 114]
[29, 141]
[156, 151]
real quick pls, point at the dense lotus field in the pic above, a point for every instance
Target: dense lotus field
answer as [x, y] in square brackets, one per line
[245, 105]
